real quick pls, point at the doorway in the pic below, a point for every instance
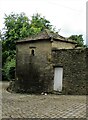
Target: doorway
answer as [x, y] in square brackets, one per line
[58, 76]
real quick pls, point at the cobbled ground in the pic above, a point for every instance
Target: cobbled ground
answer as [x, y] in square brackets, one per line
[42, 106]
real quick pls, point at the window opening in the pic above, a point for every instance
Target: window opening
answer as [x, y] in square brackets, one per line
[32, 52]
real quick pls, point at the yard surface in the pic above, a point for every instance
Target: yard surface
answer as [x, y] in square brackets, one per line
[42, 106]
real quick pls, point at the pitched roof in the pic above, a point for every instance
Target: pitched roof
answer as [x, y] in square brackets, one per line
[46, 35]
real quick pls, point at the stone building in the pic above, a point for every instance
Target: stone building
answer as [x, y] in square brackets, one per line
[50, 63]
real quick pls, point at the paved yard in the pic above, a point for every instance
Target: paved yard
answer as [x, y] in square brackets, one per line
[42, 106]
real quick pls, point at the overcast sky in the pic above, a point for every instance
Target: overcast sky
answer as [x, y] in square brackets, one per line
[67, 15]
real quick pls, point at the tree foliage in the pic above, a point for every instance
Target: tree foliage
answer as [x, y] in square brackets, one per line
[9, 69]
[39, 23]
[78, 39]
[18, 26]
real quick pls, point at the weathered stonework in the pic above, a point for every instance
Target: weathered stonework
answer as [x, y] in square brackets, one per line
[32, 70]
[36, 59]
[74, 66]
[87, 70]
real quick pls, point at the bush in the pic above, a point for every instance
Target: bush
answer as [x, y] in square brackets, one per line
[9, 69]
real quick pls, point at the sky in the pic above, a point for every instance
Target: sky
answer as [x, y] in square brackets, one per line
[68, 16]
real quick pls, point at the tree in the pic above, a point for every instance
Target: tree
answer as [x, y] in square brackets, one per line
[78, 39]
[38, 24]
[18, 26]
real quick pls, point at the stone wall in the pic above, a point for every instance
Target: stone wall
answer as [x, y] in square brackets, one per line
[74, 69]
[35, 73]
[87, 70]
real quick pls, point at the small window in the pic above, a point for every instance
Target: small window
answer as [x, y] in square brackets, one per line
[32, 52]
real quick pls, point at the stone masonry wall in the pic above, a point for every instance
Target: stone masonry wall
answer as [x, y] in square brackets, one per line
[87, 70]
[74, 69]
[34, 73]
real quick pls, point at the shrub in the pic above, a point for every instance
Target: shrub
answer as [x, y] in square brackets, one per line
[9, 69]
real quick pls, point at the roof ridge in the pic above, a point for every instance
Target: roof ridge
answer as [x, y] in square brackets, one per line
[50, 33]
[47, 32]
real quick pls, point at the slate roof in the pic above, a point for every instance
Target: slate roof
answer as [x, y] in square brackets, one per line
[47, 35]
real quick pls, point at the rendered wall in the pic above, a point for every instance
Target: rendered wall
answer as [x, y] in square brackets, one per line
[33, 73]
[62, 45]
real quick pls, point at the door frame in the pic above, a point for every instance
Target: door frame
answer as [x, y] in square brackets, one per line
[57, 66]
